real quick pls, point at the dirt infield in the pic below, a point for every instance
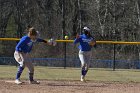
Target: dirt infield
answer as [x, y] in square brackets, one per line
[7, 86]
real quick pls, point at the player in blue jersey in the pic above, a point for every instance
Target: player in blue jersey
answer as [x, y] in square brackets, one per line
[21, 54]
[86, 43]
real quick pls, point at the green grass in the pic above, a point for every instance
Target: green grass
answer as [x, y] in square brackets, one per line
[97, 74]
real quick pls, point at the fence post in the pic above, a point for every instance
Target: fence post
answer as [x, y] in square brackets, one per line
[63, 30]
[65, 54]
[114, 57]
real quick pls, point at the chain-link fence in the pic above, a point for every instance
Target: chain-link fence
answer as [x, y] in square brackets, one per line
[103, 56]
[72, 62]
[66, 55]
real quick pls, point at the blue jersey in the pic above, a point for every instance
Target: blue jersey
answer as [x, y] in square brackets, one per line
[84, 41]
[25, 44]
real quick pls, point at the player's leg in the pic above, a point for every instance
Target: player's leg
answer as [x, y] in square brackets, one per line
[31, 70]
[31, 73]
[83, 64]
[19, 57]
[87, 60]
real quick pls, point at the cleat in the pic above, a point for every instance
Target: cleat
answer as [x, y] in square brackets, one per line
[18, 82]
[83, 79]
[34, 82]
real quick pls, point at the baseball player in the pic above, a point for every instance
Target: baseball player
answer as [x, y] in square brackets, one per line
[86, 43]
[22, 56]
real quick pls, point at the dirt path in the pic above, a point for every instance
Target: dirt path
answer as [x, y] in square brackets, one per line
[68, 87]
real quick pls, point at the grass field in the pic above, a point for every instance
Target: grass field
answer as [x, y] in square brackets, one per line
[96, 74]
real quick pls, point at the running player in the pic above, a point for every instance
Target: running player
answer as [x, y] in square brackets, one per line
[21, 55]
[86, 43]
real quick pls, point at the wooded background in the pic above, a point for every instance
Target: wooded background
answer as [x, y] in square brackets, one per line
[116, 20]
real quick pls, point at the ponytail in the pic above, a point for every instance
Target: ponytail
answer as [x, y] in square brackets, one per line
[32, 32]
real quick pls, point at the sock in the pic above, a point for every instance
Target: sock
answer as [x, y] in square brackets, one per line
[86, 72]
[83, 71]
[31, 76]
[19, 72]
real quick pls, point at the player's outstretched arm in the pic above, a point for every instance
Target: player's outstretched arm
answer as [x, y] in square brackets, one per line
[52, 42]
[41, 40]
[77, 39]
[49, 42]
